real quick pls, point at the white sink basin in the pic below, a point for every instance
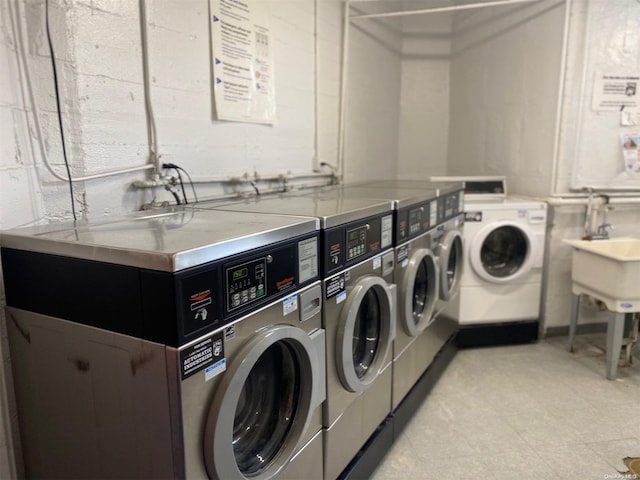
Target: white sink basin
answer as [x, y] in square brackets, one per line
[608, 270]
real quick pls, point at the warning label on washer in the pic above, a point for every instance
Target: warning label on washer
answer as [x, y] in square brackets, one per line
[289, 304]
[402, 253]
[215, 369]
[201, 355]
[334, 286]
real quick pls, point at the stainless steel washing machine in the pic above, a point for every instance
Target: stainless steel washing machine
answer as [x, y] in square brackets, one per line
[359, 312]
[416, 276]
[447, 244]
[184, 344]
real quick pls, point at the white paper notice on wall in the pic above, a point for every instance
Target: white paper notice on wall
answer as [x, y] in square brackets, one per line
[614, 91]
[242, 57]
[629, 117]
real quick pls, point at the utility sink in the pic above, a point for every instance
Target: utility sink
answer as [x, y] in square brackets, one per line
[608, 270]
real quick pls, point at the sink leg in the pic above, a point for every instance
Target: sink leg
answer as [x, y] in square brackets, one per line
[575, 300]
[615, 331]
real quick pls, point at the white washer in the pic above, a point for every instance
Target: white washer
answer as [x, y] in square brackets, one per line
[501, 278]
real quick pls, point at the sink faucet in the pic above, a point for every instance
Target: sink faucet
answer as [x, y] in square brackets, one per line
[596, 204]
[602, 232]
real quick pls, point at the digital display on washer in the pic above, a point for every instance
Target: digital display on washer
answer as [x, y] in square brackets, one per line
[241, 273]
[246, 283]
[356, 242]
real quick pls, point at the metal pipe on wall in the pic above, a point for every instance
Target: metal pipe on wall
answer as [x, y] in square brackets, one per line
[343, 91]
[440, 9]
[559, 106]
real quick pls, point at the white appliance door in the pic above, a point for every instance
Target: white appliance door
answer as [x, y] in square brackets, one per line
[450, 257]
[365, 332]
[503, 251]
[419, 292]
[262, 408]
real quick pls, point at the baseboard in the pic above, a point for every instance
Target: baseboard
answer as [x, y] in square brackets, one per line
[509, 333]
[371, 454]
[581, 329]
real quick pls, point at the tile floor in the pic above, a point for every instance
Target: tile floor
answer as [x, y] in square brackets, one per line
[523, 412]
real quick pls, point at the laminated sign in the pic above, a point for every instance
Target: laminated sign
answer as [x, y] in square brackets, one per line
[615, 91]
[242, 49]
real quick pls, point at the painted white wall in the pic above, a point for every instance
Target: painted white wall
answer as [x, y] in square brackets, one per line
[612, 44]
[424, 99]
[505, 70]
[590, 149]
[373, 100]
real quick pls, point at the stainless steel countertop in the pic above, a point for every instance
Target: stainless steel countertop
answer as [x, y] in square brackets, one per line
[442, 188]
[167, 240]
[401, 197]
[332, 210]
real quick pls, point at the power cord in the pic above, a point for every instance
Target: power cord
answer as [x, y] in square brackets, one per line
[57, 92]
[179, 169]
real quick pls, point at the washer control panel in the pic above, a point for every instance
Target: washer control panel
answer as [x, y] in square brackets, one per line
[450, 205]
[354, 242]
[357, 242]
[414, 220]
[246, 283]
[217, 293]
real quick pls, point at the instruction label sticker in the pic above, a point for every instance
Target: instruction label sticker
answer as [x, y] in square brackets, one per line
[290, 304]
[377, 262]
[308, 259]
[341, 297]
[433, 212]
[201, 355]
[334, 286]
[386, 236]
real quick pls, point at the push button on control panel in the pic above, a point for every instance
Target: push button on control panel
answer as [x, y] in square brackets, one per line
[245, 283]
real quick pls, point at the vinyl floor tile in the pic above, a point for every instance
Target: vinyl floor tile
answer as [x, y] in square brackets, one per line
[532, 411]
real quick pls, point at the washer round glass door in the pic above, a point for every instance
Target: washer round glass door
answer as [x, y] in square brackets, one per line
[262, 407]
[503, 251]
[365, 333]
[451, 258]
[419, 292]
[267, 406]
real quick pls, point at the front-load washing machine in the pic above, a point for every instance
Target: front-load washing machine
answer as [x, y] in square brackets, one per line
[183, 344]
[447, 238]
[501, 281]
[416, 276]
[449, 222]
[359, 312]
